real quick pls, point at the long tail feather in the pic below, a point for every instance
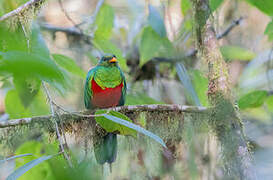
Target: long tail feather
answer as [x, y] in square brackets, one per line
[105, 148]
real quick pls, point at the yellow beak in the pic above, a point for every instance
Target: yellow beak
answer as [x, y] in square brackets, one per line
[113, 60]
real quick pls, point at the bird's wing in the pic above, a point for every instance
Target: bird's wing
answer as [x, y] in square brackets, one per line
[87, 88]
[124, 89]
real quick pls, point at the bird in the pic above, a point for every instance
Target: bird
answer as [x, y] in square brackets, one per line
[105, 87]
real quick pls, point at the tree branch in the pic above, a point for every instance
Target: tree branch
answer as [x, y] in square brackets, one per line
[229, 28]
[21, 9]
[79, 116]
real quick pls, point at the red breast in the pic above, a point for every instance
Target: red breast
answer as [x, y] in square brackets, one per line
[107, 97]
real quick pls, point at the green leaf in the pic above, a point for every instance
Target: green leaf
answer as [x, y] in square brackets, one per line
[214, 4]
[200, 83]
[253, 99]
[111, 126]
[104, 22]
[35, 66]
[266, 6]
[269, 31]
[46, 169]
[269, 103]
[16, 109]
[156, 21]
[152, 45]
[187, 84]
[23, 169]
[139, 99]
[135, 127]
[108, 47]
[14, 157]
[68, 64]
[237, 53]
[185, 6]
[27, 88]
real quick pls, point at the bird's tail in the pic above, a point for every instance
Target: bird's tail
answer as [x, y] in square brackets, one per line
[105, 148]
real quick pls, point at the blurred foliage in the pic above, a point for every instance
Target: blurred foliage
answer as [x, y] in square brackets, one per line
[253, 99]
[200, 83]
[156, 21]
[214, 4]
[69, 65]
[266, 6]
[269, 103]
[54, 168]
[140, 98]
[236, 53]
[269, 30]
[104, 27]
[104, 22]
[9, 5]
[153, 45]
[185, 6]
[16, 109]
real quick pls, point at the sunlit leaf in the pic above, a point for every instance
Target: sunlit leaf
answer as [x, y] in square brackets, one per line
[139, 99]
[153, 45]
[16, 109]
[237, 53]
[34, 66]
[269, 31]
[200, 83]
[252, 99]
[111, 126]
[45, 170]
[37, 43]
[185, 6]
[68, 64]
[266, 6]
[135, 127]
[269, 103]
[214, 4]
[23, 169]
[104, 22]
[187, 84]
[156, 21]
[27, 88]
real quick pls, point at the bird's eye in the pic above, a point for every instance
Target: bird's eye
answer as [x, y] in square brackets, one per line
[114, 56]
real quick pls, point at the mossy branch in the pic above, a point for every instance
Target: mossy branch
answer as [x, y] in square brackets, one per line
[224, 118]
[127, 110]
[20, 10]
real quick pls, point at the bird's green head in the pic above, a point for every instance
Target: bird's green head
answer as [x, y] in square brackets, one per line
[108, 60]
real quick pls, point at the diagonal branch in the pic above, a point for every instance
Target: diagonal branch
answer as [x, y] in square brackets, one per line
[56, 125]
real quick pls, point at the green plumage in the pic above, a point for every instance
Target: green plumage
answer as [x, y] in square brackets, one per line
[105, 77]
[106, 74]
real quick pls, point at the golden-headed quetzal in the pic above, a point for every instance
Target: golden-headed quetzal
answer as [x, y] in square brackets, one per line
[105, 87]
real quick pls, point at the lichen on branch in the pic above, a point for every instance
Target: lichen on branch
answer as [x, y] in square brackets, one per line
[224, 119]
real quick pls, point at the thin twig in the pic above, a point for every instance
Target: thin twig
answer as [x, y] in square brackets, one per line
[124, 109]
[94, 16]
[194, 51]
[67, 15]
[69, 31]
[22, 8]
[56, 125]
[229, 28]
